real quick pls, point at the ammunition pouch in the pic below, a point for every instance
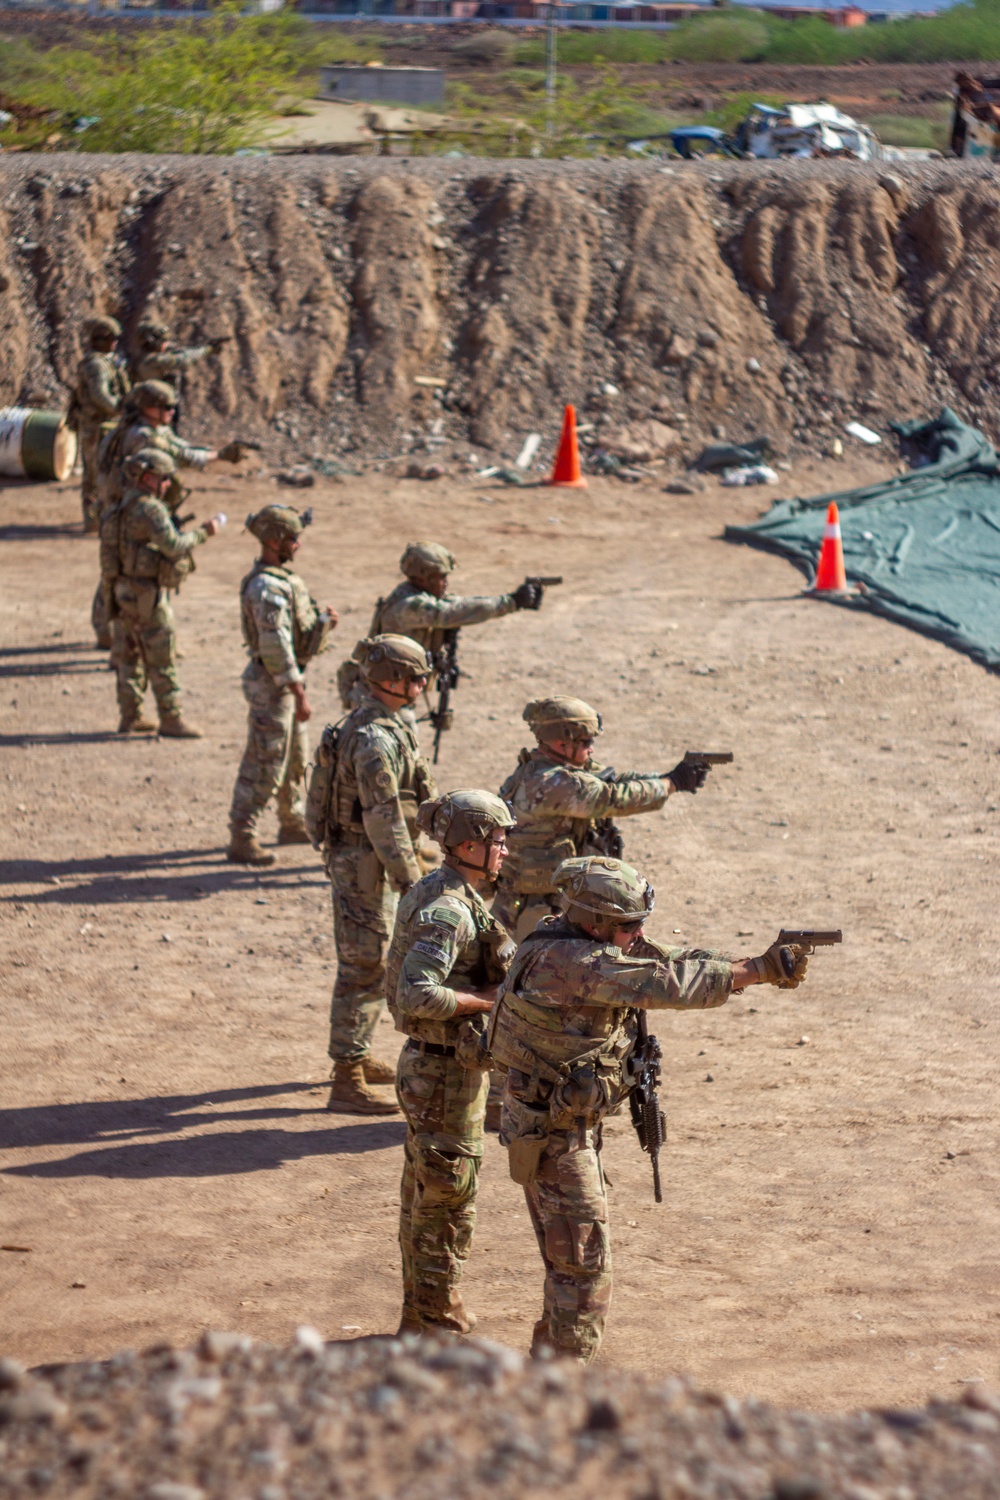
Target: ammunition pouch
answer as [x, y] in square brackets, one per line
[469, 1039]
[171, 572]
[525, 1131]
[536, 867]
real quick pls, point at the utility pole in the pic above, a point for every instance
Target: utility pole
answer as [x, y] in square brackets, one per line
[550, 72]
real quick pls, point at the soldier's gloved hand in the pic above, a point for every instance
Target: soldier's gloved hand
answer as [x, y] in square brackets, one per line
[232, 452]
[784, 964]
[528, 596]
[689, 776]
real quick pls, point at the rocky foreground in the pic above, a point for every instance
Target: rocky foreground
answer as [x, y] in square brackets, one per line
[427, 1417]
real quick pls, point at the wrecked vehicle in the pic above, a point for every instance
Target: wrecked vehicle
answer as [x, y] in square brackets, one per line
[804, 130]
[975, 122]
[791, 130]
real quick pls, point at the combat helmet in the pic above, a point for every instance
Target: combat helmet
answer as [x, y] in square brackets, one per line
[426, 560]
[151, 333]
[459, 816]
[276, 523]
[152, 393]
[562, 718]
[384, 658]
[149, 461]
[102, 330]
[594, 885]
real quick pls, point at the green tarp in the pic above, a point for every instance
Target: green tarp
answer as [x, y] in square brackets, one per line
[924, 546]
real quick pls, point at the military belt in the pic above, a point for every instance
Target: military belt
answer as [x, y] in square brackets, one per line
[357, 840]
[432, 1049]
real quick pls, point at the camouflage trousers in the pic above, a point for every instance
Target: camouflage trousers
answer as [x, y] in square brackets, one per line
[445, 1107]
[143, 648]
[274, 761]
[99, 618]
[568, 1204]
[363, 916]
[90, 435]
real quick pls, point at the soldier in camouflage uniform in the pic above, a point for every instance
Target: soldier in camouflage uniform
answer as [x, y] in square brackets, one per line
[145, 423]
[367, 782]
[143, 556]
[563, 1029]
[564, 801]
[283, 629]
[422, 608]
[98, 391]
[446, 958]
[157, 361]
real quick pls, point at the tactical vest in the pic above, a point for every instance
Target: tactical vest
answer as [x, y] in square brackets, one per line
[125, 557]
[534, 1039]
[333, 807]
[538, 847]
[484, 962]
[308, 636]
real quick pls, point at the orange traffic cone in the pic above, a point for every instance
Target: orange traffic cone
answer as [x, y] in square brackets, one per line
[830, 575]
[566, 469]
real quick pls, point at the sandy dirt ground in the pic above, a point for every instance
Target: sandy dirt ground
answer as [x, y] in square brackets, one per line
[832, 1207]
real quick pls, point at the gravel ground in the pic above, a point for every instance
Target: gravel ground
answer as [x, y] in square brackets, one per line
[432, 1417]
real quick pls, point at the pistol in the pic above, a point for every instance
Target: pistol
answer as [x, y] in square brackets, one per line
[707, 757]
[544, 582]
[809, 938]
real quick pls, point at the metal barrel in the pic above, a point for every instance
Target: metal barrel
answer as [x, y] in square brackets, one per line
[36, 444]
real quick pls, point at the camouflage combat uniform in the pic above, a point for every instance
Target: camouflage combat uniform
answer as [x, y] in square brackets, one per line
[558, 808]
[132, 434]
[99, 389]
[411, 611]
[283, 630]
[444, 939]
[143, 555]
[380, 780]
[563, 1029]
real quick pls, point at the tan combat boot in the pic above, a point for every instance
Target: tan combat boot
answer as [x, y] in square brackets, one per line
[135, 724]
[350, 1094]
[245, 850]
[378, 1072]
[173, 727]
[294, 833]
[409, 1321]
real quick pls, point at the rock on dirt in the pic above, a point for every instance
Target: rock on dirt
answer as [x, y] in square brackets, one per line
[367, 298]
[641, 441]
[433, 1416]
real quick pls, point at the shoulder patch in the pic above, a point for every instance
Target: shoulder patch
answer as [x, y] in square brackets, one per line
[446, 914]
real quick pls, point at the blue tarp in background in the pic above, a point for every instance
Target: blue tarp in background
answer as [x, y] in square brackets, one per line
[924, 546]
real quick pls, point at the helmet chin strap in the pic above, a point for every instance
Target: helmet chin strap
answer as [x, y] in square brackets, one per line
[389, 692]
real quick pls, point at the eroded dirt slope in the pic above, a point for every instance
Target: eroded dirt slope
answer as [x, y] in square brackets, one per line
[370, 300]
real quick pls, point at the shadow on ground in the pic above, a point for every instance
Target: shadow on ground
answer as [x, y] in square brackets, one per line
[114, 879]
[116, 1122]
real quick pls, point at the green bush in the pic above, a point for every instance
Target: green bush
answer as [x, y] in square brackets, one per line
[486, 48]
[727, 37]
[203, 86]
[597, 47]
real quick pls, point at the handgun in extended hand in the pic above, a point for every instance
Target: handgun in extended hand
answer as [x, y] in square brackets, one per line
[807, 939]
[707, 758]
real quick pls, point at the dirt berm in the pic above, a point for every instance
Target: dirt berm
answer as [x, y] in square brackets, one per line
[425, 1419]
[366, 299]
